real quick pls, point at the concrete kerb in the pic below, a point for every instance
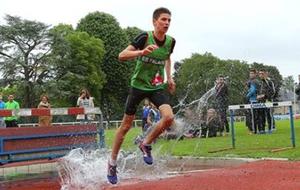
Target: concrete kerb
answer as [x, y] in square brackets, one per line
[210, 162]
[35, 168]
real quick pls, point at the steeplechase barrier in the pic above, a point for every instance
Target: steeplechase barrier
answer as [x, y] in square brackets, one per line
[288, 104]
[31, 143]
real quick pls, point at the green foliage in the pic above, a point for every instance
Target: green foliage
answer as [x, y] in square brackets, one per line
[288, 83]
[199, 72]
[132, 32]
[196, 72]
[24, 51]
[105, 27]
[78, 58]
[6, 91]
[59, 62]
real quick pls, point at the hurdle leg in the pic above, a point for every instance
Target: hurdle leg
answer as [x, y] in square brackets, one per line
[232, 128]
[292, 126]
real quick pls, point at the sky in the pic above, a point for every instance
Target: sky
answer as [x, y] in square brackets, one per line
[264, 31]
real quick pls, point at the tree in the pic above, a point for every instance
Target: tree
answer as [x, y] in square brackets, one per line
[288, 83]
[78, 60]
[24, 50]
[132, 32]
[196, 75]
[287, 89]
[105, 27]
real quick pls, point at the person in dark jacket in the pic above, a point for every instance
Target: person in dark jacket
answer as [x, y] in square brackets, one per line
[251, 96]
[298, 88]
[221, 102]
[266, 94]
[270, 98]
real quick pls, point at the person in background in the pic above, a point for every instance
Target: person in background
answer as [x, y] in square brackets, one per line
[85, 101]
[221, 103]
[213, 123]
[298, 91]
[253, 86]
[44, 121]
[265, 94]
[145, 121]
[270, 98]
[153, 118]
[11, 104]
[2, 106]
[154, 114]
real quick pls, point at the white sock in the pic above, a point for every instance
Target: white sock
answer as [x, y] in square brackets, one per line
[112, 162]
[146, 144]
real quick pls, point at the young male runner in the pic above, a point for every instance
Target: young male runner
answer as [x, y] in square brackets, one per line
[152, 50]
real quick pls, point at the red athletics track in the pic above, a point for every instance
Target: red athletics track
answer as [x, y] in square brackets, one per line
[262, 175]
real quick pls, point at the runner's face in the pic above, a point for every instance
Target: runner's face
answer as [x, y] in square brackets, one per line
[162, 23]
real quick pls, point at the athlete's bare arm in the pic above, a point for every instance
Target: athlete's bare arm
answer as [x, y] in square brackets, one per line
[171, 83]
[131, 52]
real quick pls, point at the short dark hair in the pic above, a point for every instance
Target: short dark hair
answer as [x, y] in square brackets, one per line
[262, 69]
[252, 70]
[157, 12]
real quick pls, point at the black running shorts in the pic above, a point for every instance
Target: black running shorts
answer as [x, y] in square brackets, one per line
[135, 96]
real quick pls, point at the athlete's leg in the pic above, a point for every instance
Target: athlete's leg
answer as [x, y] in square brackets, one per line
[133, 100]
[120, 135]
[167, 118]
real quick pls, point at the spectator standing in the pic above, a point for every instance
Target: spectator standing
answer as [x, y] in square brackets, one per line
[85, 101]
[221, 103]
[266, 93]
[11, 104]
[253, 86]
[154, 114]
[270, 98]
[298, 91]
[44, 121]
[2, 106]
[145, 119]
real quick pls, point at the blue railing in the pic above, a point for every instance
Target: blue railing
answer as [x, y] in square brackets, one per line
[49, 142]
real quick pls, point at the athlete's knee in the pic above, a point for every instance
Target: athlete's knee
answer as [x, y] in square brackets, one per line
[169, 119]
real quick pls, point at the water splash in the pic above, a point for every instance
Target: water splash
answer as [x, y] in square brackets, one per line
[82, 169]
[193, 112]
[87, 169]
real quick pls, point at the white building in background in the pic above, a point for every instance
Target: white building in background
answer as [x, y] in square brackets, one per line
[289, 95]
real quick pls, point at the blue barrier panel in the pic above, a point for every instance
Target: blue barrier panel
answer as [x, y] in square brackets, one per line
[31, 143]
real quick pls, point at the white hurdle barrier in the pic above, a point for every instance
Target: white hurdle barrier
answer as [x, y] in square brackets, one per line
[232, 108]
